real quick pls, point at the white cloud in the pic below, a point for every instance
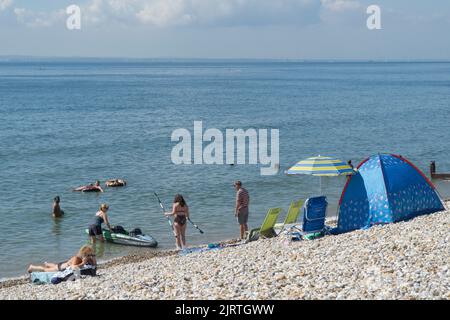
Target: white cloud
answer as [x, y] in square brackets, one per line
[169, 13]
[340, 5]
[34, 19]
[163, 13]
[106, 11]
[211, 13]
[4, 4]
[348, 12]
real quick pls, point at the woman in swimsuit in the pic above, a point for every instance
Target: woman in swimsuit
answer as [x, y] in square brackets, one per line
[84, 257]
[95, 229]
[181, 212]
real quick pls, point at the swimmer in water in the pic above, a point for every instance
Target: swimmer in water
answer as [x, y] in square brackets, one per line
[57, 212]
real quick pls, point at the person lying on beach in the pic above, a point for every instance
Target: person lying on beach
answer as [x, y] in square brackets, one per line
[57, 212]
[181, 212]
[90, 188]
[115, 183]
[84, 257]
[95, 229]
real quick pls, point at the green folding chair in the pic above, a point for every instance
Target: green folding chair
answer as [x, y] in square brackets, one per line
[292, 215]
[266, 230]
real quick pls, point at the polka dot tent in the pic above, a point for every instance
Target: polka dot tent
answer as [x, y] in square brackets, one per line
[387, 188]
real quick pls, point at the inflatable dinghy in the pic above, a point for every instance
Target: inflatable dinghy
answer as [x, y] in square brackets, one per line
[133, 238]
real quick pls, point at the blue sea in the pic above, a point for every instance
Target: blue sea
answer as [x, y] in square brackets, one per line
[65, 123]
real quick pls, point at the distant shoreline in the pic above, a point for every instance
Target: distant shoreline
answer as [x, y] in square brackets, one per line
[25, 58]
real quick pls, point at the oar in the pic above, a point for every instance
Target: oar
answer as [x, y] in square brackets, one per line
[164, 211]
[196, 226]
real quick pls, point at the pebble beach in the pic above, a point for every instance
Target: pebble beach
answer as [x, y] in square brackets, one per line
[405, 260]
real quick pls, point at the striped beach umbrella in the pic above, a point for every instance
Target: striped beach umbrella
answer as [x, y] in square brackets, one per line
[321, 166]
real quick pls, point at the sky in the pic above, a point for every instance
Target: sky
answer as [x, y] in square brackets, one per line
[259, 29]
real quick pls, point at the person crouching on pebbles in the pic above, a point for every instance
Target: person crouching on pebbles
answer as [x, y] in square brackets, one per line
[181, 212]
[241, 209]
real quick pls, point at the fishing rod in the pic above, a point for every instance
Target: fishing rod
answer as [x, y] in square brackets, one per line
[196, 226]
[164, 211]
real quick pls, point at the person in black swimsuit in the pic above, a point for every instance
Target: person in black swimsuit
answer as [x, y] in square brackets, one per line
[95, 229]
[181, 212]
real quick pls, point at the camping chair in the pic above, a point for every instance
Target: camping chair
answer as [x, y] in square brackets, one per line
[266, 230]
[314, 214]
[292, 215]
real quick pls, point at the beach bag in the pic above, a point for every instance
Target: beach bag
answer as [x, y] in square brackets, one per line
[118, 229]
[88, 270]
[68, 274]
[62, 276]
[295, 236]
[135, 232]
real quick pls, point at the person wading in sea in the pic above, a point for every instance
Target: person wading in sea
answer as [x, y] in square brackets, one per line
[241, 208]
[57, 212]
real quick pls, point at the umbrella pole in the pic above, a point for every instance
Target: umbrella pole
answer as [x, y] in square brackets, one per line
[320, 188]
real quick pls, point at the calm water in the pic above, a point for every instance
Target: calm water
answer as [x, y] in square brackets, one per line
[65, 124]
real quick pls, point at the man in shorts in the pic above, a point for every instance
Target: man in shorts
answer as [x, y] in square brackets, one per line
[241, 209]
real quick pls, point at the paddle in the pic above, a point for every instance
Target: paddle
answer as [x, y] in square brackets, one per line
[196, 226]
[168, 219]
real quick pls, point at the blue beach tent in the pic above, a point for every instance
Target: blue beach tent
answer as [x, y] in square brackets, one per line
[387, 188]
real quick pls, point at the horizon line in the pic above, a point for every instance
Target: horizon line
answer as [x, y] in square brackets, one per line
[6, 58]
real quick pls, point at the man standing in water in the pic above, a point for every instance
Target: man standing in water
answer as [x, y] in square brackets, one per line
[241, 209]
[57, 212]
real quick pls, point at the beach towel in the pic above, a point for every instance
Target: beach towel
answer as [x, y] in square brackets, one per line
[41, 277]
[294, 233]
[58, 277]
[191, 250]
[211, 247]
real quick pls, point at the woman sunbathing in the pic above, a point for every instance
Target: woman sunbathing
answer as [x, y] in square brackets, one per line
[84, 257]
